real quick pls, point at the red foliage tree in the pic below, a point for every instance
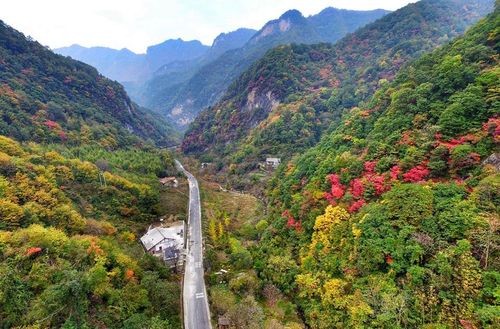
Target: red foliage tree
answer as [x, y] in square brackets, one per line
[416, 174]
[337, 191]
[357, 188]
[291, 222]
[395, 172]
[406, 139]
[378, 182]
[62, 135]
[33, 251]
[370, 167]
[492, 127]
[356, 205]
[51, 124]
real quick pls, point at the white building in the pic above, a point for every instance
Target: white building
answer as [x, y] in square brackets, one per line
[167, 243]
[273, 162]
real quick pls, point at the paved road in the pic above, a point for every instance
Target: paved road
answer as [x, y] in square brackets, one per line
[196, 311]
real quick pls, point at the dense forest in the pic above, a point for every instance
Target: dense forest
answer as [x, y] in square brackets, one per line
[78, 184]
[283, 103]
[48, 98]
[391, 221]
[384, 212]
[69, 256]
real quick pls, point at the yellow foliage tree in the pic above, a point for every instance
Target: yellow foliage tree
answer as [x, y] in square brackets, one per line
[323, 228]
[10, 213]
[10, 147]
[309, 285]
[212, 230]
[333, 292]
[220, 232]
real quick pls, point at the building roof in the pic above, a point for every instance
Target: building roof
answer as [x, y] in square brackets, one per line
[273, 160]
[166, 180]
[158, 234]
[170, 253]
[223, 321]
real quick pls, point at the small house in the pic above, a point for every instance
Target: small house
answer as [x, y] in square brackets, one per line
[169, 181]
[205, 165]
[273, 162]
[167, 243]
[223, 322]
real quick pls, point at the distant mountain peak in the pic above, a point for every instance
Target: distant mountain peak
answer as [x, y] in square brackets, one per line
[293, 15]
[328, 10]
[175, 43]
[239, 33]
[287, 21]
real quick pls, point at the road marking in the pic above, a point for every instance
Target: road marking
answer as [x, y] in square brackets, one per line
[197, 265]
[200, 295]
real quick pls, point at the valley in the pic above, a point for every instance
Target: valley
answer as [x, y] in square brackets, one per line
[196, 311]
[333, 170]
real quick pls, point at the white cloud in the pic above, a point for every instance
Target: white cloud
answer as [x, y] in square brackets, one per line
[137, 24]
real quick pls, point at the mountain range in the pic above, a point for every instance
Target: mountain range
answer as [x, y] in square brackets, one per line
[180, 88]
[183, 101]
[286, 100]
[126, 66]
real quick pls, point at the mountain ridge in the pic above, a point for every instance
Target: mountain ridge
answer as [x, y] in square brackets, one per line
[47, 97]
[183, 102]
[396, 199]
[124, 65]
[285, 101]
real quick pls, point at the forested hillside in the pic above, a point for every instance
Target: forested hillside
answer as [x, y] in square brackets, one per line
[78, 183]
[383, 213]
[391, 221]
[48, 98]
[69, 256]
[284, 102]
[206, 84]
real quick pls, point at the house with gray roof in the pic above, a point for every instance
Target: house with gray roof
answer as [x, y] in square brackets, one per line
[273, 162]
[166, 242]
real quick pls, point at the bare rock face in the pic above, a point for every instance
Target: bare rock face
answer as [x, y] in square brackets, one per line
[260, 100]
[493, 160]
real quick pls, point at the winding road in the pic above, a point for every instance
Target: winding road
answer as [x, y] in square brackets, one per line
[195, 301]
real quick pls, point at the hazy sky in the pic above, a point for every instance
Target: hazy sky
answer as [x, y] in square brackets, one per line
[137, 24]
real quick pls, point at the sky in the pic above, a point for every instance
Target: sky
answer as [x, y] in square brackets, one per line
[140, 23]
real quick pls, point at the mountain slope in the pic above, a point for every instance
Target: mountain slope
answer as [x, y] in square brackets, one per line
[69, 257]
[126, 66]
[119, 65]
[284, 102]
[45, 97]
[182, 102]
[228, 41]
[332, 24]
[391, 221]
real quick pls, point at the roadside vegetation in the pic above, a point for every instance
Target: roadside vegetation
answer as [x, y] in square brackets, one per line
[233, 224]
[69, 224]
